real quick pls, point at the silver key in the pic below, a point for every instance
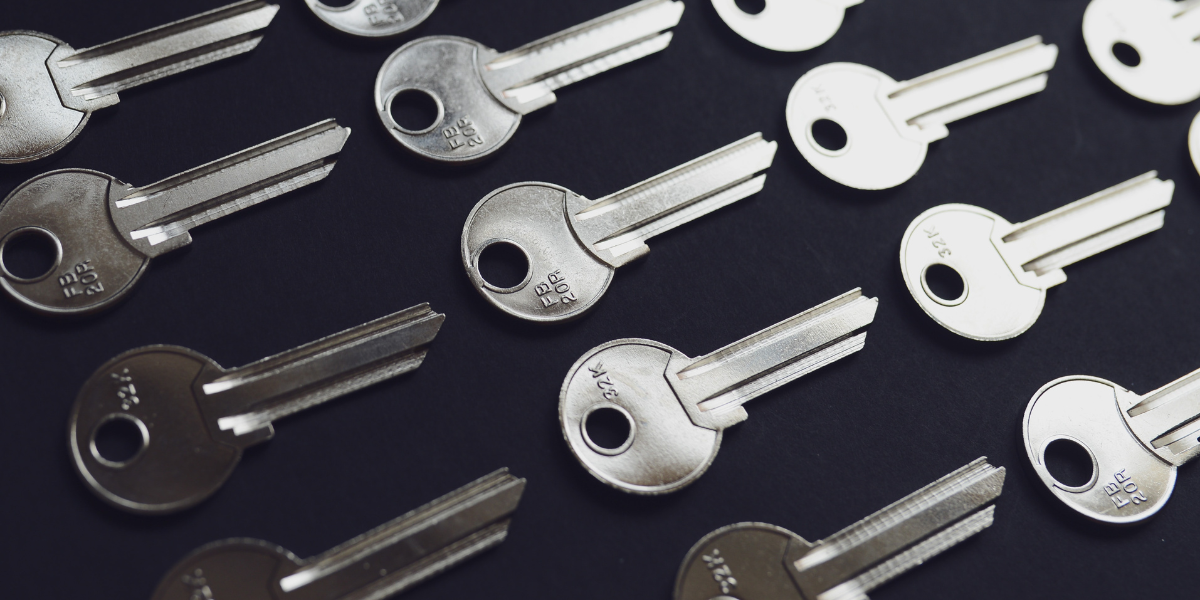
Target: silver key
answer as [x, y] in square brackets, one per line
[196, 417]
[1194, 142]
[48, 89]
[1135, 442]
[757, 561]
[106, 231]
[381, 563]
[1164, 36]
[889, 125]
[374, 18]
[573, 245]
[677, 407]
[481, 94]
[1006, 268]
[786, 25]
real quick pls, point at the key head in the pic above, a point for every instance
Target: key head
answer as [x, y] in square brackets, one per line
[470, 124]
[743, 561]
[627, 379]
[183, 456]
[786, 25]
[1128, 483]
[1167, 54]
[94, 266]
[374, 18]
[235, 569]
[880, 152]
[33, 121]
[563, 280]
[994, 305]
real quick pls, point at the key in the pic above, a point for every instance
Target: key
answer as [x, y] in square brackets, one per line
[757, 561]
[106, 231]
[786, 25]
[195, 417]
[1149, 48]
[677, 408]
[573, 246]
[481, 94]
[1135, 443]
[380, 563]
[1004, 268]
[888, 125]
[1194, 142]
[48, 89]
[374, 18]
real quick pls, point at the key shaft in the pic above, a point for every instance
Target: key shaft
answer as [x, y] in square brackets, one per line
[1167, 420]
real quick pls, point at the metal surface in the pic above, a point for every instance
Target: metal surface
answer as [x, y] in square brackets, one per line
[378, 564]
[889, 125]
[196, 417]
[50, 89]
[573, 245]
[481, 94]
[678, 407]
[1166, 37]
[107, 231]
[1194, 142]
[786, 25]
[1135, 442]
[1006, 268]
[374, 18]
[756, 561]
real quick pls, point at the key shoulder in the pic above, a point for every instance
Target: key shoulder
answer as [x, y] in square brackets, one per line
[1167, 50]
[95, 267]
[34, 123]
[374, 18]
[233, 569]
[747, 561]
[786, 25]
[180, 463]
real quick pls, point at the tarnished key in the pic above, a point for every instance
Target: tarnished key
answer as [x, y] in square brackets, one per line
[573, 245]
[757, 561]
[195, 417]
[888, 125]
[378, 564]
[1006, 268]
[1135, 442]
[481, 94]
[677, 408]
[1149, 48]
[48, 89]
[106, 231]
[1194, 142]
[374, 18]
[786, 25]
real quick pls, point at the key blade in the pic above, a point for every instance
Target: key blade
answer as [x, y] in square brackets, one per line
[415, 546]
[156, 218]
[617, 226]
[885, 544]
[724, 380]
[525, 79]
[252, 397]
[1167, 420]
[104, 70]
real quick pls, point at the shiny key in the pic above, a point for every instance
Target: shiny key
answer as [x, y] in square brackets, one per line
[194, 418]
[48, 89]
[677, 408]
[1005, 268]
[786, 25]
[374, 18]
[1149, 48]
[1194, 142]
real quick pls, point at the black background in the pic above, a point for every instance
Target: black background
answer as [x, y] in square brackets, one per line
[382, 233]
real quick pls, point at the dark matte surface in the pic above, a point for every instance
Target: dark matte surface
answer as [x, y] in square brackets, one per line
[382, 234]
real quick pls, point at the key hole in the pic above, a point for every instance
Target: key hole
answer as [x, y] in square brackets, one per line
[337, 3]
[608, 429]
[415, 111]
[829, 136]
[751, 7]
[944, 285]
[30, 254]
[119, 439]
[503, 265]
[1128, 55]
[1070, 464]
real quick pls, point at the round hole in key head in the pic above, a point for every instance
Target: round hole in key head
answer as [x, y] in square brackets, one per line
[751, 7]
[415, 111]
[608, 429]
[829, 137]
[503, 265]
[30, 254]
[336, 3]
[119, 439]
[1070, 463]
[1126, 54]
[944, 285]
